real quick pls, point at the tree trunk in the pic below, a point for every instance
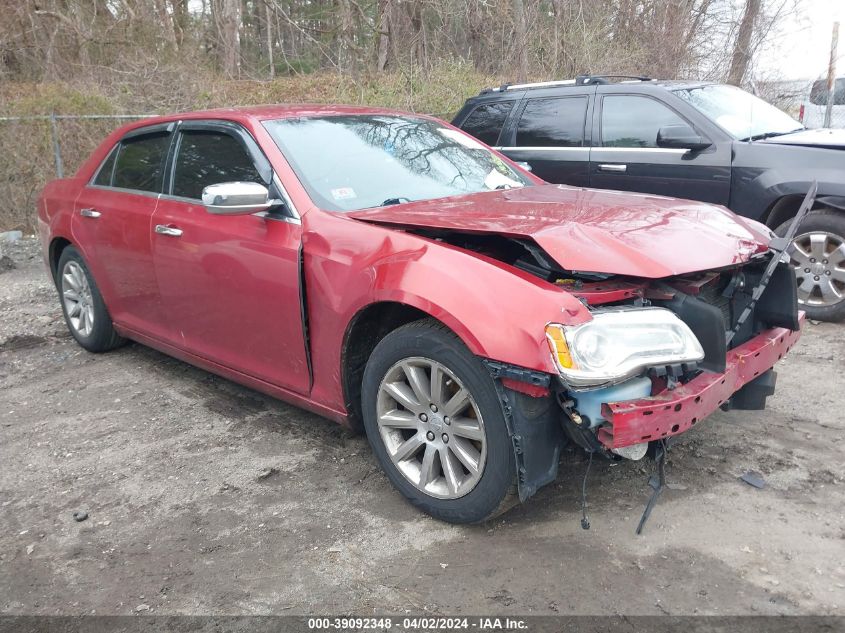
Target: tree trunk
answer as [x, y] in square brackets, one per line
[415, 14]
[383, 35]
[180, 19]
[742, 49]
[166, 23]
[557, 16]
[269, 32]
[346, 36]
[228, 22]
[521, 39]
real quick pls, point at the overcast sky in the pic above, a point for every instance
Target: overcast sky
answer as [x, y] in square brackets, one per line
[802, 49]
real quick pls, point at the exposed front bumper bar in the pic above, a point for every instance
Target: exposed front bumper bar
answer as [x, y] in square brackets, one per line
[673, 412]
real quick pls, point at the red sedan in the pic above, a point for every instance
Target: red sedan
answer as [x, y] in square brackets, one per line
[389, 272]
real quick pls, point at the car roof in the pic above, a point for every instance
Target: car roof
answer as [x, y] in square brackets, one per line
[265, 113]
[573, 84]
[277, 111]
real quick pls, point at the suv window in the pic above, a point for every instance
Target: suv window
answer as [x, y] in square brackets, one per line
[486, 121]
[819, 92]
[557, 122]
[208, 158]
[630, 121]
[140, 162]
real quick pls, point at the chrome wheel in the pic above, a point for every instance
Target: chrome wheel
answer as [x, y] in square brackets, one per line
[76, 294]
[431, 427]
[819, 261]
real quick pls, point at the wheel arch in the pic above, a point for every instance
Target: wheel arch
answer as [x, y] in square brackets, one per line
[786, 207]
[57, 246]
[363, 332]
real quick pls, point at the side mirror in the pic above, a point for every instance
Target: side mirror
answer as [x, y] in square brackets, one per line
[524, 165]
[681, 137]
[235, 198]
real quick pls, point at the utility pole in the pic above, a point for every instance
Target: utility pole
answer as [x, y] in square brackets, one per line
[831, 75]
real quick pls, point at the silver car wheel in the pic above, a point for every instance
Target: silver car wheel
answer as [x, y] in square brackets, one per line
[76, 294]
[432, 428]
[819, 261]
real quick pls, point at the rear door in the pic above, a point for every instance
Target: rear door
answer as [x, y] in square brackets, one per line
[550, 133]
[229, 284]
[625, 155]
[111, 223]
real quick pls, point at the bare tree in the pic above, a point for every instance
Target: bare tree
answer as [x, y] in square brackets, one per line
[743, 50]
[521, 39]
[383, 9]
[513, 39]
[227, 18]
[269, 26]
[166, 22]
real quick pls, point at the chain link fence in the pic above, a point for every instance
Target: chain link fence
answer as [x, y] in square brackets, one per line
[36, 149]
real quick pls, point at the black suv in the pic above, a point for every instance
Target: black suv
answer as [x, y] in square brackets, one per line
[696, 140]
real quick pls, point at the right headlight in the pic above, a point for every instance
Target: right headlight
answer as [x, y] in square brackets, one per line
[618, 344]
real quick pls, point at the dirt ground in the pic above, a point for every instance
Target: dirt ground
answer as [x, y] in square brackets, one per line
[205, 497]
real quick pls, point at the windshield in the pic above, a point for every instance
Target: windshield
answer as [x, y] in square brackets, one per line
[350, 162]
[741, 114]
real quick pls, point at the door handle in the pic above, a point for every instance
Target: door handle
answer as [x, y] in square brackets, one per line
[90, 213]
[172, 231]
[621, 169]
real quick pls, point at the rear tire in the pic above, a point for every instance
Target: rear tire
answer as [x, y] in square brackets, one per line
[428, 455]
[818, 258]
[85, 312]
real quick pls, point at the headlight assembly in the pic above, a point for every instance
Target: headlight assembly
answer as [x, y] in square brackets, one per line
[618, 344]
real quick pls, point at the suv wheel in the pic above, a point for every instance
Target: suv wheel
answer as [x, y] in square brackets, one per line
[433, 418]
[818, 256]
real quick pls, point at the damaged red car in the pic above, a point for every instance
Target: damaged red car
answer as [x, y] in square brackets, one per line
[390, 272]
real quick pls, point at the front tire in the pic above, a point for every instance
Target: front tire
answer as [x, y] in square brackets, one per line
[817, 254]
[85, 312]
[433, 418]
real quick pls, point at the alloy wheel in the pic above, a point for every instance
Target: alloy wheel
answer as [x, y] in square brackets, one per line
[78, 301]
[431, 427]
[818, 258]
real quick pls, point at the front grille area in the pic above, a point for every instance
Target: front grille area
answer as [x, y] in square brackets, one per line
[713, 294]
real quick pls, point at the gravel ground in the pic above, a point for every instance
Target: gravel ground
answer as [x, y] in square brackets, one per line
[205, 497]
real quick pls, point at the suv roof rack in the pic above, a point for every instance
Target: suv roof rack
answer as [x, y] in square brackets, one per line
[580, 80]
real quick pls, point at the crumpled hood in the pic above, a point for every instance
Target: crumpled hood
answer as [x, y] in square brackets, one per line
[826, 138]
[592, 230]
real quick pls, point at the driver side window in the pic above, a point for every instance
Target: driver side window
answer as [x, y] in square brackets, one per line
[631, 121]
[208, 158]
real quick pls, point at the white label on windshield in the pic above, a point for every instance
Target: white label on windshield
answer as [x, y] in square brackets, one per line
[460, 138]
[496, 179]
[344, 193]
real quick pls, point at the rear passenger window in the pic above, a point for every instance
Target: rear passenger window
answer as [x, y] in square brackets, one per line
[486, 121]
[140, 162]
[552, 122]
[103, 178]
[629, 121]
[209, 158]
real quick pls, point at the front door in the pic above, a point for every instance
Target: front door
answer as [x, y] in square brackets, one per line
[625, 155]
[229, 284]
[112, 222]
